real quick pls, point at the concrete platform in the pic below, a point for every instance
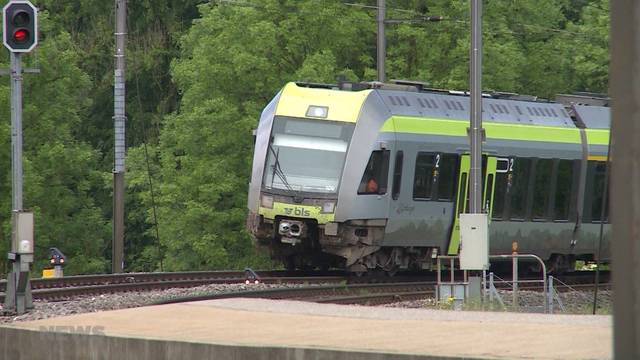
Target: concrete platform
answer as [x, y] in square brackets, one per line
[266, 329]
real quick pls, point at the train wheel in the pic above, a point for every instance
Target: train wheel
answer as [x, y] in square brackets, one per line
[360, 273]
[391, 271]
[559, 263]
[358, 270]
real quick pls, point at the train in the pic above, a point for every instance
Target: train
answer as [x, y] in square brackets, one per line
[374, 176]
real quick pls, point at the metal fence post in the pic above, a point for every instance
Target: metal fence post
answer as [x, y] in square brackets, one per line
[484, 288]
[491, 290]
[452, 269]
[515, 282]
[439, 279]
[550, 294]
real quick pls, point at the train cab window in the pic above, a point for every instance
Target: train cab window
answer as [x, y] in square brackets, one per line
[448, 169]
[563, 190]
[425, 174]
[541, 189]
[374, 179]
[520, 184]
[397, 175]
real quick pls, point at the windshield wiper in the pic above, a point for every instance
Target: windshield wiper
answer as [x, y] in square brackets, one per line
[277, 170]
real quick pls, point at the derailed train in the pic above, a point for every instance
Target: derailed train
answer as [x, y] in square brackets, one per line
[368, 176]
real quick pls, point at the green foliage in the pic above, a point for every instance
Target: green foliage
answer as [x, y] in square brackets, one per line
[60, 175]
[201, 199]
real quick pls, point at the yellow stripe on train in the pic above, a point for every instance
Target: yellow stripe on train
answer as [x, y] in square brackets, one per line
[342, 105]
[296, 211]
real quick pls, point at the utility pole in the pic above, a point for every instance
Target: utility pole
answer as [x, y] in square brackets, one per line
[474, 234]
[382, 44]
[475, 170]
[119, 120]
[382, 41]
[625, 176]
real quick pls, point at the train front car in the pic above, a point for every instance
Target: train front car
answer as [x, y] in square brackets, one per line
[377, 178]
[302, 142]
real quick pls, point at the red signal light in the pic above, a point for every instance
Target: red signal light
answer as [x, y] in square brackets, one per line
[21, 35]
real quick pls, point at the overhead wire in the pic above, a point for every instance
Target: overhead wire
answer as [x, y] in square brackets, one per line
[145, 139]
[535, 29]
[419, 15]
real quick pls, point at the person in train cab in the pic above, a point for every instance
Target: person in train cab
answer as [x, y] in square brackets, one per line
[372, 186]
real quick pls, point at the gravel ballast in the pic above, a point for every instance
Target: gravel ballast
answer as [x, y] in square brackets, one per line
[529, 301]
[87, 304]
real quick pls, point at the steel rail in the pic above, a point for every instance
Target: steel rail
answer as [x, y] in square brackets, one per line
[343, 293]
[104, 279]
[70, 287]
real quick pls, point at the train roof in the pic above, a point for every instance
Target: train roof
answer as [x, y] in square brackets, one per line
[407, 98]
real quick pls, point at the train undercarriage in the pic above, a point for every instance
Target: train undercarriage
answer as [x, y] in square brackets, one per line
[303, 244]
[356, 247]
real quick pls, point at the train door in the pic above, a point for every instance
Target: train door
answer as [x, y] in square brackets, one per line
[489, 164]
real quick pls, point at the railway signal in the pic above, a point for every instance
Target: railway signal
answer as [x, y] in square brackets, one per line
[20, 32]
[20, 36]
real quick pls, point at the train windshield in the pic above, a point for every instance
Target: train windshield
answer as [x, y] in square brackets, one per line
[306, 155]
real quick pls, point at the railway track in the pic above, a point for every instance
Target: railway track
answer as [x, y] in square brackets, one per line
[88, 285]
[85, 285]
[347, 290]
[364, 294]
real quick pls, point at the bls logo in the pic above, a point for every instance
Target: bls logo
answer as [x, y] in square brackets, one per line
[296, 211]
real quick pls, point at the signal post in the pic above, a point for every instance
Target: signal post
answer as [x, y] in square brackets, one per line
[20, 35]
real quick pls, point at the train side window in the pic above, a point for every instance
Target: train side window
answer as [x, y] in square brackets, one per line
[501, 187]
[486, 207]
[596, 172]
[463, 193]
[374, 179]
[590, 193]
[541, 188]
[424, 175]
[397, 175]
[563, 190]
[520, 171]
[447, 178]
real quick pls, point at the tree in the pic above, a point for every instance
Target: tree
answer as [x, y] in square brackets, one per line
[590, 53]
[60, 174]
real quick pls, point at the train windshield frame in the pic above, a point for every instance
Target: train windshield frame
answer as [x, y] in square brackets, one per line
[306, 155]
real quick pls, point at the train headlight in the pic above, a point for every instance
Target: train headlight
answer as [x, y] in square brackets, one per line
[318, 111]
[267, 201]
[328, 207]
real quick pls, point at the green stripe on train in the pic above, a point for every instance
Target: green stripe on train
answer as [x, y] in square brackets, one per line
[499, 131]
[597, 137]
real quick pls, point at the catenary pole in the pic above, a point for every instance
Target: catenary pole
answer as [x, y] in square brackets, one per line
[475, 171]
[16, 126]
[625, 176]
[119, 119]
[382, 43]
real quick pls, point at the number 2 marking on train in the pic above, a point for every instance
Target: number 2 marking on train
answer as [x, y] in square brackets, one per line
[504, 165]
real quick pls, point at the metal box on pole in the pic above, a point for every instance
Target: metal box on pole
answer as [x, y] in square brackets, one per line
[474, 242]
[23, 233]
